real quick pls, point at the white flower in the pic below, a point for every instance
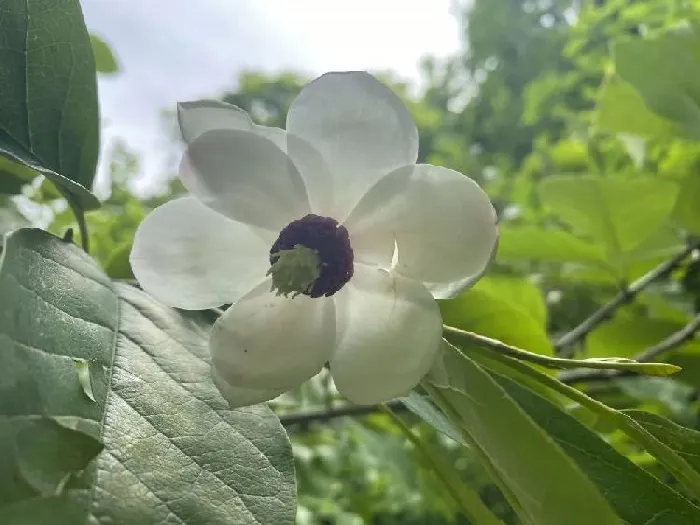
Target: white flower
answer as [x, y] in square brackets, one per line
[377, 238]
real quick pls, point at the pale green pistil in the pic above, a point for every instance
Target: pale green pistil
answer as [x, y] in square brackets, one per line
[294, 271]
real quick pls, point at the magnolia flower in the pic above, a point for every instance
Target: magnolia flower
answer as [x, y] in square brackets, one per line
[328, 240]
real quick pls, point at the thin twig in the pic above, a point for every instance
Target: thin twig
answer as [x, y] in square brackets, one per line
[673, 341]
[564, 345]
[299, 418]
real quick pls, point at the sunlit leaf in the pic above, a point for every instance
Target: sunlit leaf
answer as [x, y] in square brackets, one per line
[621, 109]
[558, 246]
[506, 308]
[622, 212]
[105, 61]
[673, 90]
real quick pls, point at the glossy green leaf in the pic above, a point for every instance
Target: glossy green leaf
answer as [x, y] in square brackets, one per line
[622, 212]
[557, 246]
[673, 90]
[637, 496]
[173, 450]
[48, 108]
[105, 61]
[548, 487]
[506, 308]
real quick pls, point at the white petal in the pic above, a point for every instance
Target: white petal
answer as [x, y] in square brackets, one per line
[246, 177]
[240, 397]
[362, 129]
[197, 117]
[443, 223]
[311, 165]
[389, 332]
[268, 342]
[188, 256]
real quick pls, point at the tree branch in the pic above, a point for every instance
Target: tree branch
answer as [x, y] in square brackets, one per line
[303, 418]
[564, 345]
[673, 341]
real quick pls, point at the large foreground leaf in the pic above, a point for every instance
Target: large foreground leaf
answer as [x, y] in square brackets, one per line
[637, 496]
[542, 482]
[48, 107]
[173, 451]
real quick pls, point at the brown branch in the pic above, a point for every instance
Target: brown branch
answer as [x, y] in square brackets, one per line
[304, 418]
[673, 341]
[564, 345]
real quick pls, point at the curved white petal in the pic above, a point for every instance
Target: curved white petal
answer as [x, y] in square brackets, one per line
[362, 129]
[442, 222]
[267, 342]
[389, 332]
[189, 256]
[241, 397]
[197, 117]
[246, 177]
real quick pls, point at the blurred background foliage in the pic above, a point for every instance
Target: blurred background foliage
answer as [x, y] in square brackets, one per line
[516, 111]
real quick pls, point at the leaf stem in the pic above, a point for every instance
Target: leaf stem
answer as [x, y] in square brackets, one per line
[79, 215]
[457, 336]
[673, 341]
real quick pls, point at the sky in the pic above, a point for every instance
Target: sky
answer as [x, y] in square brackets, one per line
[175, 50]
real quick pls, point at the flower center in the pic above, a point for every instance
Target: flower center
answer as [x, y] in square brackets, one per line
[311, 256]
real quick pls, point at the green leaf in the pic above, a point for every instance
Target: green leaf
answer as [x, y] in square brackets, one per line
[673, 90]
[622, 110]
[173, 450]
[687, 211]
[426, 410]
[48, 454]
[82, 367]
[48, 109]
[547, 486]
[506, 308]
[105, 61]
[689, 361]
[620, 211]
[683, 441]
[627, 336]
[557, 246]
[118, 265]
[637, 496]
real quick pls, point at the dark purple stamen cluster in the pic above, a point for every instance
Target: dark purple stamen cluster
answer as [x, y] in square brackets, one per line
[332, 243]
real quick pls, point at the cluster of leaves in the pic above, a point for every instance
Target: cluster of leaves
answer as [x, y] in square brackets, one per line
[107, 411]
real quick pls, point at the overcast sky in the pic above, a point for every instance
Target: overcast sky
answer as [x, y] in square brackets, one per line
[172, 50]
